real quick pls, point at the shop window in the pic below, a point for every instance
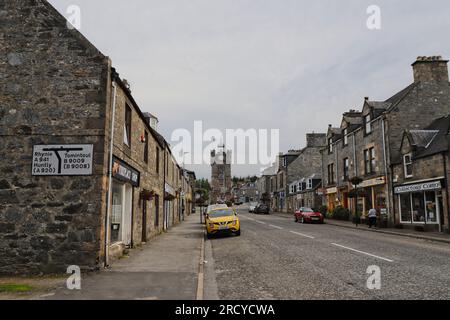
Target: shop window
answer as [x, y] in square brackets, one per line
[407, 164]
[405, 208]
[431, 207]
[418, 207]
[127, 126]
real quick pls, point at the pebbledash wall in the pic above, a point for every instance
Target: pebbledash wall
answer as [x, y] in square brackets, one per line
[56, 88]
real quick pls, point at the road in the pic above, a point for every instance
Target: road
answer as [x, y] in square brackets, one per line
[276, 258]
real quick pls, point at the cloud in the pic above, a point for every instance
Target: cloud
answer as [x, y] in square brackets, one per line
[293, 65]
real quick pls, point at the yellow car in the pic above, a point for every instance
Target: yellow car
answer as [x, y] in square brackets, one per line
[222, 221]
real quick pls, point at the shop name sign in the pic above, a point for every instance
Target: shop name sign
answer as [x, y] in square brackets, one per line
[124, 172]
[419, 187]
[62, 160]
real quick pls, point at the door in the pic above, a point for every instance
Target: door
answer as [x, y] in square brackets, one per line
[144, 221]
[127, 214]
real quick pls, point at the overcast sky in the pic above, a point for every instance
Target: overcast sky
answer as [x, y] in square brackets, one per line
[291, 65]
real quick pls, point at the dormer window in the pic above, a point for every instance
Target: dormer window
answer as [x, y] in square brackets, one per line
[345, 136]
[299, 187]
[407, 165]
[368, 123]
[310, 184]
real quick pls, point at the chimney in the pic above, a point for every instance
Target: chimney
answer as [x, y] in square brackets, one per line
[430, 69]
[316, 139]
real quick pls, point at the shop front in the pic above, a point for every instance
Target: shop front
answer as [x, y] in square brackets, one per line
[420, 204]
[332, 199]
[372, 194]
[125, 179]
[169, 207]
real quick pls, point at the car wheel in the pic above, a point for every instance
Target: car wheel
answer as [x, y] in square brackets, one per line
[208, 236]
[296, 219]
[238, 233]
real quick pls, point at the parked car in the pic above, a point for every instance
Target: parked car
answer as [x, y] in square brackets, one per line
[308, 215]
[222, 221]
[262, 208]
[252, 207]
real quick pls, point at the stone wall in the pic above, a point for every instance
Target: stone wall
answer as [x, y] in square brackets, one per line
[53, 90]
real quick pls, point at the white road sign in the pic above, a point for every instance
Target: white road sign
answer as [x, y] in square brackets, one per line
[62, 160]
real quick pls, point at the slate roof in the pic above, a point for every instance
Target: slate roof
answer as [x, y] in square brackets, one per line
[433, 139]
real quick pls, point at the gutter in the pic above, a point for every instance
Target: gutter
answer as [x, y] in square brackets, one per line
[108, 203]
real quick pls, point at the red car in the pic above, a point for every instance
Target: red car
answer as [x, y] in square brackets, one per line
[308, 215]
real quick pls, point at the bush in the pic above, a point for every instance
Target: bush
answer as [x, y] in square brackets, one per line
[323, 210]
[341, 213]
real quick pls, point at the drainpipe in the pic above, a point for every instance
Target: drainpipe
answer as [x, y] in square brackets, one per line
[108, 203]
[355, 164]
[386, 169]
[446, 196]
[164, 191]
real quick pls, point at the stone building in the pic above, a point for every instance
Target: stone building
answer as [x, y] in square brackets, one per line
[279, 193]
[263, 184]
[421, 195]
[221, 182]
[83, 172]
[304, 174]
[367, 143]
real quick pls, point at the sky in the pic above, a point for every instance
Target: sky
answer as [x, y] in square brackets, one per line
[291, 65]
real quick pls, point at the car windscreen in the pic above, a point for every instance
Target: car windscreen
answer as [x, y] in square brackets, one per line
[307, 210]
[221, 213]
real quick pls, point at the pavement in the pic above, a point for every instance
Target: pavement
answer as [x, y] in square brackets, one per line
[431, 236]
[166, 268]
[276, 258]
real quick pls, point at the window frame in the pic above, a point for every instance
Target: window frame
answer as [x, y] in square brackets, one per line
[127, 125]
[368, 124]
[346, 166]
[405, 166]
[345, 137]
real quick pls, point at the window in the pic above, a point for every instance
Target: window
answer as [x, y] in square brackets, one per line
[299, 186]
[127, 126]
[407, 165]
[369, 160]
[345, 137]
[157, 160]
[330, 145]
[368, 124]
[146, 147]
[310, 184]
[331, 173]
[419, 207]
[346, 167]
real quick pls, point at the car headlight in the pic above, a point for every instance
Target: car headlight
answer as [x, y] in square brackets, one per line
[211, 225]
[234, 222]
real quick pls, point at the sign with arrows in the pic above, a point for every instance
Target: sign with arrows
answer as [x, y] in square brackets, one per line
[62, 160]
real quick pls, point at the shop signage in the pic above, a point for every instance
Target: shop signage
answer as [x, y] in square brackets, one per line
[372, 182]
[434, 185]
[62, 160]
[331, 190]
[169, 189]
[125, 172]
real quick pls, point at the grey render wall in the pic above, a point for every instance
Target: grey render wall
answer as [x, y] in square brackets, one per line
[53, 90]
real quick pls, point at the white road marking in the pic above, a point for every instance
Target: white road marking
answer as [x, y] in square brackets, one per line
[260, 222]
[276, 227]
[362, 252]
[301, 234]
